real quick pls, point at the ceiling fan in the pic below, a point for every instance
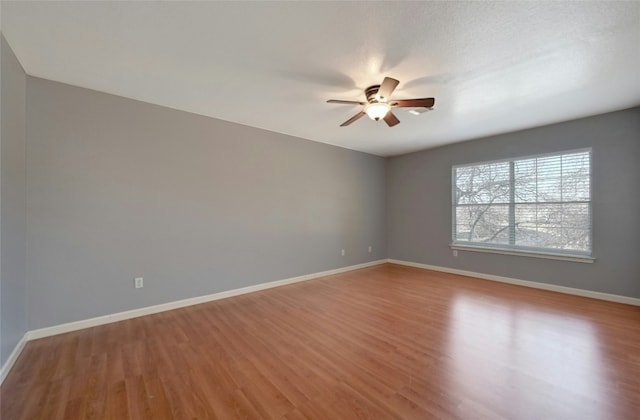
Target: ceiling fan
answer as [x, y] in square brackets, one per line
[378, 105]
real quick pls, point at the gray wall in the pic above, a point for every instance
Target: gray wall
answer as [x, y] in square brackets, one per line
[13, 301]
[419, 203]
[119, 188]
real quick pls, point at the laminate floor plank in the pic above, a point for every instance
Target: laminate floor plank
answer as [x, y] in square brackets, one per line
[385, 342]
[117, 403]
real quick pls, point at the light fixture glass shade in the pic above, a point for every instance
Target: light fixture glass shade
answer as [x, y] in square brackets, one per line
[377, 110]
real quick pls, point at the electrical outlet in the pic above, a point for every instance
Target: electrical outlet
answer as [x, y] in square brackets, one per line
[138, 282]
[342, 252]
[370, 249]
[455, 252]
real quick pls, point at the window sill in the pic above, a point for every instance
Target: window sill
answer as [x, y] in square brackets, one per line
[545, 255]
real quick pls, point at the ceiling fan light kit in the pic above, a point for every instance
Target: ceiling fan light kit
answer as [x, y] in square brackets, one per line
[377, 110]
[378, 105]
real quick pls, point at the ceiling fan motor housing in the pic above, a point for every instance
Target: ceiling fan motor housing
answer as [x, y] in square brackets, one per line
[371, 93]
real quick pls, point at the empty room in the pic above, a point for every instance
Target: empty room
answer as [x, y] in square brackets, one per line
[320, 210]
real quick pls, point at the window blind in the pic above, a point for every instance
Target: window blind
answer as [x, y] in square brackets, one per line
[535, 203]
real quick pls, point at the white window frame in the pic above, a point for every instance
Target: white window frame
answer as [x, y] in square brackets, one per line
[548, 253]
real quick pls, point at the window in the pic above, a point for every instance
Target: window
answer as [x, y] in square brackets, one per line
[538, 205]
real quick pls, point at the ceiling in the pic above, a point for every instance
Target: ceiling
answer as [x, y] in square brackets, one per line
[493, 67]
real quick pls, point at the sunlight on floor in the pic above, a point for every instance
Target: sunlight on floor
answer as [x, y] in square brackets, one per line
[549, 356]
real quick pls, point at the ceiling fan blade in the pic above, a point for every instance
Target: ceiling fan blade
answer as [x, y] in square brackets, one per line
[352, 119]
[339, 101]
[386, 88]
[414, 103]
[391, 119]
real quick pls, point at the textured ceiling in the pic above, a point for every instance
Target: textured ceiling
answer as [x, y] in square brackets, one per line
[492, 67]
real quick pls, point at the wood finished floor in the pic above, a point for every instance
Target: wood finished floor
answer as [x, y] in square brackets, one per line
[382, 342]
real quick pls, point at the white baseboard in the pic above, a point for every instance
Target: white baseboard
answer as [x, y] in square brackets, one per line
[13, 357]
[121, 316]
[536, 285]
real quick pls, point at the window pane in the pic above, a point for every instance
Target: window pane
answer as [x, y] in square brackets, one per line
[483, 223]
[552, 178]
[557, 226]
[482, 184]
